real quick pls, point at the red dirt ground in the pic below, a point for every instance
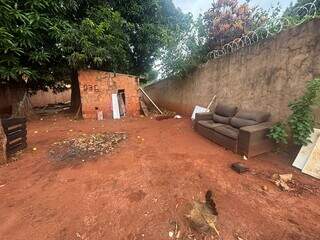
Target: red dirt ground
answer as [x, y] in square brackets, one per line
[138, 190]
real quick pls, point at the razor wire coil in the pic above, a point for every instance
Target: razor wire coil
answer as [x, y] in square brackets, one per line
[299, 15]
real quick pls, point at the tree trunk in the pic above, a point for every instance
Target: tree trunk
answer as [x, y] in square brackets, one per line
[23, 108]
[21, 103]
[75, 92]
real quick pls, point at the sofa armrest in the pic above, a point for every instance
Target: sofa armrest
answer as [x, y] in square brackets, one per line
[253, 140]
[204, 116]
[255, 129]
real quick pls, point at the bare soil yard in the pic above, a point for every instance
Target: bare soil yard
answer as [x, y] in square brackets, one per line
[144, 186]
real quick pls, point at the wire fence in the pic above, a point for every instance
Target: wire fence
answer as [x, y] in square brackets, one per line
[298, 16]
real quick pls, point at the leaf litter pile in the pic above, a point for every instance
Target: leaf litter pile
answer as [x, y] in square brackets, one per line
[86, 146]
[200, 221]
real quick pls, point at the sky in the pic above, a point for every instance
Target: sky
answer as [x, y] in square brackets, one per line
[200, 6]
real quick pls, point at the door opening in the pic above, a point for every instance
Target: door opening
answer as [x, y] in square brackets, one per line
[122, 102]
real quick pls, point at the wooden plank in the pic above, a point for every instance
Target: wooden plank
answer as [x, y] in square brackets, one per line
[153, 103]
[17, 148]
[16, 126]
[17, 134]
[305, 151]
[16, 141]
[312, 167]
[7, 122]
[115, 106]
[12, 130]
[198, 109]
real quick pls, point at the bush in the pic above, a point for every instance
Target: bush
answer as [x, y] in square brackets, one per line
[278, 133]
[301, 121]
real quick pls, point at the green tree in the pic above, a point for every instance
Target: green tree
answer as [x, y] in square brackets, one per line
[44, 41]
[301, 122]
[97, 41]
[150, 26]
[25, 45]
[186, 50]
[118, 35]
[227, 20]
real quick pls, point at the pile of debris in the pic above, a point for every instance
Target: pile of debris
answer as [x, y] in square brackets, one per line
[51, 109]
[152, 110]
[286, 183]
[204, 215]
[86, 146]
[199, 222]
[283, 181]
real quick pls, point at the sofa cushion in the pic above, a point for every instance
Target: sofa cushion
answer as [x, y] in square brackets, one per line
[240, 122]
[253, 115]
[225, 110]
[209, 124]
[228, 131]
[221, 119]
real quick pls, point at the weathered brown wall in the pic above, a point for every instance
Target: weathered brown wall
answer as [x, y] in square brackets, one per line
[9, 97]
[264, 77]
[43, 98]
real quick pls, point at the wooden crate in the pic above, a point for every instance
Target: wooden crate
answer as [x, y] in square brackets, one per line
[14, 138]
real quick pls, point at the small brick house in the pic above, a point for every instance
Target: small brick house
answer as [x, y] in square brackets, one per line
[97, 87]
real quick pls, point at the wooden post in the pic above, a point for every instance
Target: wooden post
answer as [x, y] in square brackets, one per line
[212, 101]
[151, 100]
[3, 145]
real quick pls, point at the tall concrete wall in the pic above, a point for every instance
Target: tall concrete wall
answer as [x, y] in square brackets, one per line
[263, 77]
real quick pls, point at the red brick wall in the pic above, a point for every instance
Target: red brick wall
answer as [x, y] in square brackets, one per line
[97, 87]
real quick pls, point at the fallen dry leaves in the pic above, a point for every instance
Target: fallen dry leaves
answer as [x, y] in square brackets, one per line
[85, 146]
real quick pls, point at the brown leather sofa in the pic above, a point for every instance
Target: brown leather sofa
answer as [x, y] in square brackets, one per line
[243, 132]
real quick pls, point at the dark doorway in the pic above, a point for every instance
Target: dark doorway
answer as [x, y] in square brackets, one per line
[122, 102]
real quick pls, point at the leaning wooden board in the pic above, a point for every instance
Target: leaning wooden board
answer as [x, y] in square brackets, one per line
[198, 109]
[305, 151]
[312, 166]
[115, 106]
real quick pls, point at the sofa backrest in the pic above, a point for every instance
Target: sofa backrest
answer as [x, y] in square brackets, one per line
[249, 118]
[223, 113]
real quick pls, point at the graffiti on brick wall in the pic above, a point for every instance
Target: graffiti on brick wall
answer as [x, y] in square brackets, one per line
[110, 80]
[90, 88]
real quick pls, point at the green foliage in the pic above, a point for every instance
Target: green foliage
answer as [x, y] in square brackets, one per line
[301, 121]
[223, 22]
[44, 41]
[23, 39]
[278, 133]
[98, 41]
[227, 20]
[186, 51]
[152, 24]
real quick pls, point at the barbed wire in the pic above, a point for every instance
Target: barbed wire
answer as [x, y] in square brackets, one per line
[298, 16]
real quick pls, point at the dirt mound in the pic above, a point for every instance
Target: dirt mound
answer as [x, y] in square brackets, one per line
[86, 146]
